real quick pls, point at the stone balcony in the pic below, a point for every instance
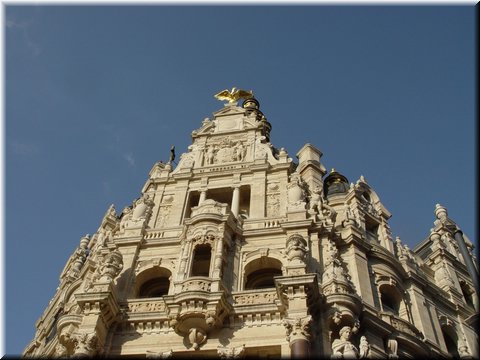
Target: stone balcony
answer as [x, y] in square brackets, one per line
[209, 206]
[401, 325]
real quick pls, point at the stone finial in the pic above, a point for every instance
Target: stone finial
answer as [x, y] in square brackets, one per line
[84, 241]
[441, 212]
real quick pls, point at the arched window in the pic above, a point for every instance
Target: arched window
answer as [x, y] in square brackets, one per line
[451, 340]
[259, 273]
[392, 301]
[154, 288]
[389, 302]
[154, 282]
[201, 260]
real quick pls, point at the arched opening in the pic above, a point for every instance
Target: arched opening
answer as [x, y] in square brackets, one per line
[201, 260]
[392, 301]
[154, 288]
[259, 273]
[154, 282]
[451, 340]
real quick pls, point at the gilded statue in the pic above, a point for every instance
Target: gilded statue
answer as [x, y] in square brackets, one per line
[232, 96]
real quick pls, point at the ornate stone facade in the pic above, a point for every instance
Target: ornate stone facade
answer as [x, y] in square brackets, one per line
[240, 251]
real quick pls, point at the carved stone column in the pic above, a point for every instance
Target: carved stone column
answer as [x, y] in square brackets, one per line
[217, 269]
[236, 200]
[85, 345]
[298, 336]
[299, 295]
[203, 196]
[185, 254]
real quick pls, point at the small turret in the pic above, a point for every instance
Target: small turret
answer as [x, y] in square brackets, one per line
[335, 183]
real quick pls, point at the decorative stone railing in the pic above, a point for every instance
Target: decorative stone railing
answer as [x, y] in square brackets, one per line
[271, 223]
[145, 305]
[254, 297]
[368, 208]
[401, 325]
[153, 234]
[197, 283]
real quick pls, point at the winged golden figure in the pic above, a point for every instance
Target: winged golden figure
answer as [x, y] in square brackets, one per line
[234, 95]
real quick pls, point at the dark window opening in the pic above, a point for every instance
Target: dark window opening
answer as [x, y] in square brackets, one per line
[451, 344]
[222, 195]
[262, 279]
[193, 199]
[244, 208]
[53, 330]
[154, 288]
[389, 303]
[201, 260]
[371, 230]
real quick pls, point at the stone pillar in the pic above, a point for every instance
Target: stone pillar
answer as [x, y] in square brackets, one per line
[203, 196]
[184, 256]
[298, 336]
[236, 200]
[217, 268]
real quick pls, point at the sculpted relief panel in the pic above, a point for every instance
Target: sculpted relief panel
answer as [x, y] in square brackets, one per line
[225, 150]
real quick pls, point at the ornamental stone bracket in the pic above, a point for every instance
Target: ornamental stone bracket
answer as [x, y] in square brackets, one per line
[194, 313]
[99, 310]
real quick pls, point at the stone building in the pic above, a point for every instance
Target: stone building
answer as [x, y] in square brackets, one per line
[241, 251]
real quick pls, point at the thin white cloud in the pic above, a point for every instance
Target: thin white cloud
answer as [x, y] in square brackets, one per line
[24, 26]
[130, 159]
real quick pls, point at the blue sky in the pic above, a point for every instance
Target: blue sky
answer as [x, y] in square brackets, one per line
[95, 95]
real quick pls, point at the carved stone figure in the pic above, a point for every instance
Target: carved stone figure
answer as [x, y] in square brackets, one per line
[239, 151]
[85, 345]
[197, 337]
[111, 266]
[296, 193]
[342, 348]
[316, 199]
[210, 155]
[329, 213]
[142, 205]
[392, 348]
[60, 350]
[234, 352]
[186, 161]
[400, 249]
